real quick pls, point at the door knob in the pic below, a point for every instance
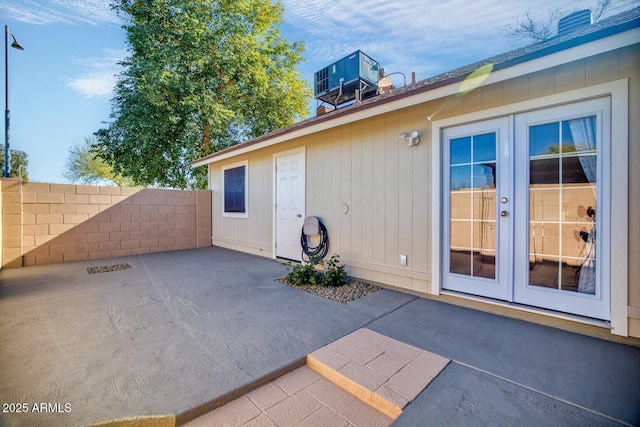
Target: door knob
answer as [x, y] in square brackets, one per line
[299, 215]
[504, 213]
[504, 200]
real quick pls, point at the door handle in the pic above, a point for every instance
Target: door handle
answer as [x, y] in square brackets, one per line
[504, 214]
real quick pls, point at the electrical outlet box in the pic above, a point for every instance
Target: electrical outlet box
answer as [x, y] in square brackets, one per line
[403, 259]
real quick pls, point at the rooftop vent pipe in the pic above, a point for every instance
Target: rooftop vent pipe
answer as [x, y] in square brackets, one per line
[574, 21]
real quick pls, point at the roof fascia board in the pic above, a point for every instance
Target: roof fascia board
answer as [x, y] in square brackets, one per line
[430, 93]
[593, 48]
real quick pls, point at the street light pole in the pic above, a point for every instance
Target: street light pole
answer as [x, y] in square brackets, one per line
[15, 45]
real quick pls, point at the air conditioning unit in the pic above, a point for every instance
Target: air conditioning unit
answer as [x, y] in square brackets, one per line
[337, 83]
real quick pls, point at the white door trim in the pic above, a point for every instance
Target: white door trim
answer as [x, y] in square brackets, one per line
[300, 150]
[618, 91]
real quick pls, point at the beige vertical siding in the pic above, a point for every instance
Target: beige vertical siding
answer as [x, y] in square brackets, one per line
[367, 167]
[386, 184]
[629, 67]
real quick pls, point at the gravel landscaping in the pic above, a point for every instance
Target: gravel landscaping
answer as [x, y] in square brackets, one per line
[348, 292]
[108, 268]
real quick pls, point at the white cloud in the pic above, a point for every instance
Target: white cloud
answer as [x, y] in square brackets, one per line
[46, 12]
[99, 76]
[426, 36]
[93, 84]
[31, 13]
[404, 36]
[89, 11]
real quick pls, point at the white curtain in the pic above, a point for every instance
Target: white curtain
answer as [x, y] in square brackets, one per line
[583, 133]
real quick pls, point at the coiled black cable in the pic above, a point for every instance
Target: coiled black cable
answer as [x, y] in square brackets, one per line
[319, 251]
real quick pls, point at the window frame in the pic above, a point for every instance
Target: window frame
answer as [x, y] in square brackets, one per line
[236, 165]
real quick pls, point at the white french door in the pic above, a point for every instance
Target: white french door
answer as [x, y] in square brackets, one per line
[563, 221]
[526, 208]
[476, 202]
[290, 204]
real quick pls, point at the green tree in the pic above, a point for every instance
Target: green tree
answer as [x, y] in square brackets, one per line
[19, 163]
[201, 76]
[83, 166]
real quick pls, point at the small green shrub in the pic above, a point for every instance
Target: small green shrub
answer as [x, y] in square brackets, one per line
[306, 274]
[303, 274]
[334, 274]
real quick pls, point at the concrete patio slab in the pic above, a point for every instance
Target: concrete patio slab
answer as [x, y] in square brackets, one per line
[178, 334]
[596, 378]
[462, 396]
[182, 333]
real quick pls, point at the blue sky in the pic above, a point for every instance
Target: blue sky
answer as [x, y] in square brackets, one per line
[61, 84]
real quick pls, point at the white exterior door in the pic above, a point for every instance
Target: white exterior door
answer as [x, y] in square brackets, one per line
[563, 157]
[523, 197]
[290, 204]
[476, 205]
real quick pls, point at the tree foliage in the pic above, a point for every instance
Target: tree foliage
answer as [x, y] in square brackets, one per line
[83, 166]
[19, 163]
[201, 76]
[534, 30]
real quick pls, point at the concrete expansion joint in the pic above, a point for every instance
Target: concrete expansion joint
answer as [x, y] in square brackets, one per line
[409, 301]
[542, 393]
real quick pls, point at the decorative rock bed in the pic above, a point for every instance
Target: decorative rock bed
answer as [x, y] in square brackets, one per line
[348, 292]
[108, 268]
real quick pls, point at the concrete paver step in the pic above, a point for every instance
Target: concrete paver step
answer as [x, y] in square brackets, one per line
[362, 379]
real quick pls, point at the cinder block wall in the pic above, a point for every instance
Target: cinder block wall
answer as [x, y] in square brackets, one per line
[53, 223]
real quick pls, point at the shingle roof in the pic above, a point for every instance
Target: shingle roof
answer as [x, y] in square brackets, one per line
[616, 24]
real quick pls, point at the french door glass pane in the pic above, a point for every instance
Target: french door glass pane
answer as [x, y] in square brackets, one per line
[562, 205]
[472, 205]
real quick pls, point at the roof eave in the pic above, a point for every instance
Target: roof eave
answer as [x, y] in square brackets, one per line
[546, 48]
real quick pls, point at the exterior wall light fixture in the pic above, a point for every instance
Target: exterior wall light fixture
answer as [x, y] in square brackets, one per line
[412, 137]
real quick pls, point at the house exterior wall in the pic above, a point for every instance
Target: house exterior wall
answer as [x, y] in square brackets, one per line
[254, 233]
[629, 67]
[387, 185]
[53, 223]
